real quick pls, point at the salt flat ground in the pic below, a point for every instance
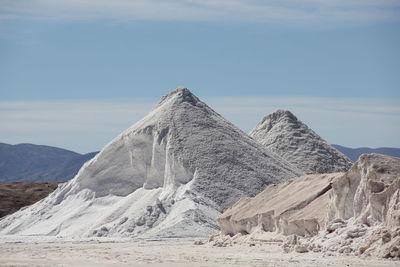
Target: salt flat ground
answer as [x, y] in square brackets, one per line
[172, 252]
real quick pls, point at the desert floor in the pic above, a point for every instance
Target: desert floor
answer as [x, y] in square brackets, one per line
[171, 252]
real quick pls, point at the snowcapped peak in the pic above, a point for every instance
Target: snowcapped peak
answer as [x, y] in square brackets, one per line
[290, 138]
[180, 95]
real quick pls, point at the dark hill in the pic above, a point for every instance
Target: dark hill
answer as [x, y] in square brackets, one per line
[37, 163]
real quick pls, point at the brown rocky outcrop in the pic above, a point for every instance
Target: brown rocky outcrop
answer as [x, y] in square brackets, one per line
[14, 196]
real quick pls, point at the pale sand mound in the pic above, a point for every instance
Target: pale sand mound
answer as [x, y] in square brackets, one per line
[357, 212]
[297, 206]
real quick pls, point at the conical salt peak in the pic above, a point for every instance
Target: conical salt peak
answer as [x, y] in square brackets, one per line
[180, 94]
[280, 114]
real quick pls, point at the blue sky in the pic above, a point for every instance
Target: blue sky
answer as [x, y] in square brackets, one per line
[336, 61]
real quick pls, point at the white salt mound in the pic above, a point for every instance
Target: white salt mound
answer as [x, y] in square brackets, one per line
[288, 137]
[169, 175]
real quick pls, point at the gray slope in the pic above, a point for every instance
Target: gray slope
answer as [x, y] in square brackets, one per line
[282, 133]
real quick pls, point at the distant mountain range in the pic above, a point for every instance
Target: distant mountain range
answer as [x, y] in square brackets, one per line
[354, 153]
[38, 163]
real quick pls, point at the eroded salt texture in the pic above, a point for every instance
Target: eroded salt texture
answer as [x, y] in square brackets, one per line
[170, 175]
[288, 137]
[356, 212]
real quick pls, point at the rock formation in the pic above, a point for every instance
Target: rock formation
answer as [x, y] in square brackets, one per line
[170, 174]
[364, 212]
[357, 212]
[288, 137]
[297, 206]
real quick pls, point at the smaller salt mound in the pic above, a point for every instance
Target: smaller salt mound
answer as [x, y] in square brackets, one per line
[297, 206]
[288, 137]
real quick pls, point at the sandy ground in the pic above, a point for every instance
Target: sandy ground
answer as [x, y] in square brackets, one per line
[177, 252]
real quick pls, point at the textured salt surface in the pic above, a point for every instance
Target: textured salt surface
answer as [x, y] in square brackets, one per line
[288, 137]
[298, 206]
[170, 174]
[357, 212]
[364, 212]
[166, 253]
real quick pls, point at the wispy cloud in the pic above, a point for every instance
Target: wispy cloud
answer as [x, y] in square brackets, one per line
[88, 125]
[200, 10]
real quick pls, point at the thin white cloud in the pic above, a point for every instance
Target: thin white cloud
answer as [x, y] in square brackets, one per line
[88, 125]
[200, 10]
